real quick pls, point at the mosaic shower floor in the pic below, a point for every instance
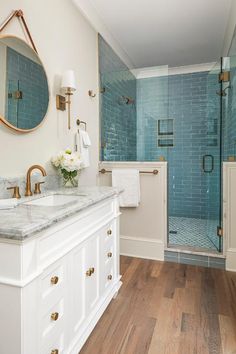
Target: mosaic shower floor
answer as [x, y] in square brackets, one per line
[193, 232]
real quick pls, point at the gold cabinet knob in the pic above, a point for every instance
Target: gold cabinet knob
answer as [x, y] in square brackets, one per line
[54, 316]
[109, 254]
[109, 232]
[90, 271]
[109, 277]
[54, 280]
[55, 351]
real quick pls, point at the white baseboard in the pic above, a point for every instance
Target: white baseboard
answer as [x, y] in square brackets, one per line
[142, 248]
[231, 260]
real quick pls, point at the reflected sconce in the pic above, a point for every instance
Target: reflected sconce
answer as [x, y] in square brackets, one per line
[68, 86]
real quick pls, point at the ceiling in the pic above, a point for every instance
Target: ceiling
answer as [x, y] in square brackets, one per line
[167, 32]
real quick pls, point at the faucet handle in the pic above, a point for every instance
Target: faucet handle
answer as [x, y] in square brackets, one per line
[16, 192]
[37, 189]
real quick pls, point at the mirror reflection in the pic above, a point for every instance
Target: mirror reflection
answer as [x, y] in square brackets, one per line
[24, 92]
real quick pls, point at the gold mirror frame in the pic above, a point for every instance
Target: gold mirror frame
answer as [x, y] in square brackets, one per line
[3, 119]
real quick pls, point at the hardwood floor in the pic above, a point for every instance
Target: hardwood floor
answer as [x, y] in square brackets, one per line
[168, 308]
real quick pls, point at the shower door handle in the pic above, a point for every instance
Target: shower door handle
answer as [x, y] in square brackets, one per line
[205, 157]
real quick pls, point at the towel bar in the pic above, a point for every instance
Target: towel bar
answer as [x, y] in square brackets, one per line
[154, 172]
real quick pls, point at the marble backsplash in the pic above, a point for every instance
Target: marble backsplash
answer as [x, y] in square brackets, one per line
[51, 182]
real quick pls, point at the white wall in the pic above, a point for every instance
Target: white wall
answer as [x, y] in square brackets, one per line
[90, 12]
[229, 211]
[65, 40]
[230, 29]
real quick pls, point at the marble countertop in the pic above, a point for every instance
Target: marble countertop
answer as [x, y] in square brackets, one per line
[25, 220]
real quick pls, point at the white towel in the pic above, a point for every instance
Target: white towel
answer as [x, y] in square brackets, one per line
[127, 179]
[83, 143]
[85, 138]
[8, 203]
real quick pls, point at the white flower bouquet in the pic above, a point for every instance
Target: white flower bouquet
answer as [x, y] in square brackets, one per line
[69, 163]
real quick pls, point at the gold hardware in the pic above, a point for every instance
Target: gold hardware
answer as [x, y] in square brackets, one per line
[61, 102]
[109, 254]
[54, 316]
[109, 232]
[16, 192]
[231, 159]
[55, 351]
[219, 231]
[90, 272]
[109, 277]
[154, 172]
[54, 280]
[37, 189]
[224, 77]
[78, 122]
[162, 158]
[91, 94]
[18, 95]
[28, 191]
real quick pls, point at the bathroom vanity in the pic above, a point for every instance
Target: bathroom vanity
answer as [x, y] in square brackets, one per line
[59, 269]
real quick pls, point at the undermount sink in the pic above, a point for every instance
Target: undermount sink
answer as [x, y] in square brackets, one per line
[54, 200]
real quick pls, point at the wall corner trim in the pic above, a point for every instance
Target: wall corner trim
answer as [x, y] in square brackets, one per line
[231, 260]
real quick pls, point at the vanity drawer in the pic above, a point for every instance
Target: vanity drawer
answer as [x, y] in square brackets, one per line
[108, 232]
[55, 344]
[53, 284]
[108, 274]
[52, 319]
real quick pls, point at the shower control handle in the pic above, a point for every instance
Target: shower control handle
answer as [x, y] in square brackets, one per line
[205, 157]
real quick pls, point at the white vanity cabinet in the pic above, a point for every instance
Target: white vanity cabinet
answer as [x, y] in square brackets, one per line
[55, 285]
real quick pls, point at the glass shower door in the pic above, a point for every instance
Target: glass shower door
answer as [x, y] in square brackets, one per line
[212, 161]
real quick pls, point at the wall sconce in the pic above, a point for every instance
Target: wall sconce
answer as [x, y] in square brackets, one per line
[68, 85]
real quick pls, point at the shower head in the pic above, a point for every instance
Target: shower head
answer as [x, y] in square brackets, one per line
[223, 92]
[126, 100]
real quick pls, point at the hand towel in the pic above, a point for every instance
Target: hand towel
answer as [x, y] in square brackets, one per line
[127, 179]
[8, 203]
[85, 138]
[82, 146]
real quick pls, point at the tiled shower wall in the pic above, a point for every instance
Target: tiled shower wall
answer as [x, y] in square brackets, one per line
[118, 119]
[189, 100]
[27, 76]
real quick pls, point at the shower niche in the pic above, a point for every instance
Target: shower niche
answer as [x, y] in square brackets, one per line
[165, 132]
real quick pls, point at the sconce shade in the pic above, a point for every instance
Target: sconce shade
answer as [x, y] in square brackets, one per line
[68, 80]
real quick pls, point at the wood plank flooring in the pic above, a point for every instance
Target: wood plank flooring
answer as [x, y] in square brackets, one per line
[168, 308]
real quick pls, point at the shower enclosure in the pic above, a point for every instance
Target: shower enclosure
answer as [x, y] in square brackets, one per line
[195, 162]
[179, 118]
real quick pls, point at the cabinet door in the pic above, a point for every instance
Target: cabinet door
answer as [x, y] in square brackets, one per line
[92, 273]
[76, 291]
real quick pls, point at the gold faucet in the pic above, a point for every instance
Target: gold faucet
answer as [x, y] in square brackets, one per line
[28, 191]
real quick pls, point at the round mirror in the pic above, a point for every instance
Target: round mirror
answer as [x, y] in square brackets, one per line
[24, 94]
